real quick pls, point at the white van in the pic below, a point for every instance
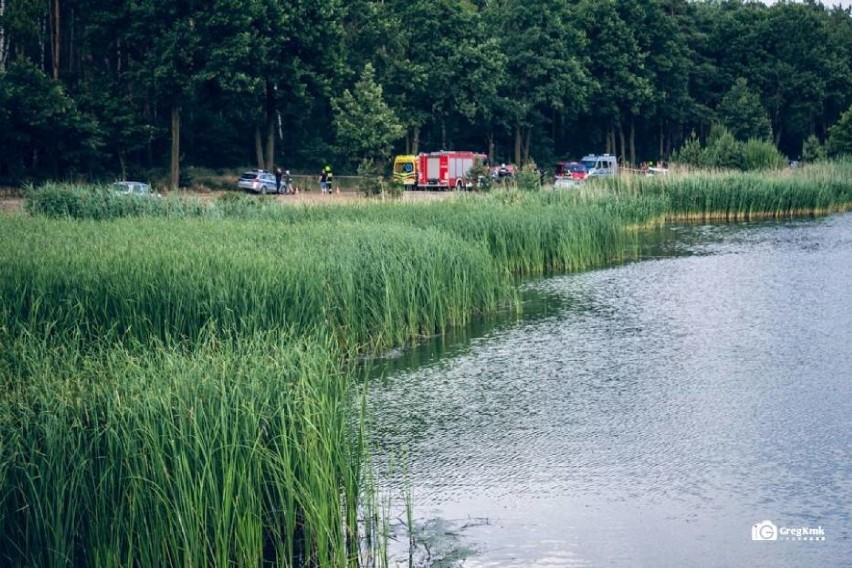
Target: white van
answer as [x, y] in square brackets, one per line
[600, 165]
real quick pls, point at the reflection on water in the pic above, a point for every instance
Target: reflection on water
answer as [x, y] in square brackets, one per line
[642, 415]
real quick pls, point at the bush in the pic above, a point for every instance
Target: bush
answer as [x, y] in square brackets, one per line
[840, 136]
[481, 176]
[100, 202]
[529, 178]
[723, 151]
[690, 152]
[761, 155]
[812, 149]
[370, 182]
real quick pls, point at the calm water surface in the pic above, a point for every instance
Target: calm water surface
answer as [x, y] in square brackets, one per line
[643, 415]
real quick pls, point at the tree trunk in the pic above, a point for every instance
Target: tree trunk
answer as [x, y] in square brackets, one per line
[623, 156]
[490, 142]
[55, 38]
[270, 126]
[4, 47]
[174, 176]
[270, 145]
[70, 66]
[518, 144]
[632, 142]
[527, 139]
[610, 140]
[122, 160]
[662, 141]
[258, 147]
[415, 140]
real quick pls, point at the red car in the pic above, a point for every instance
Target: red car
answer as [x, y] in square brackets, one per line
[576, 171]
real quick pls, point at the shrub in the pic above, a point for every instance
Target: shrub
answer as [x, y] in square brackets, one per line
[840, 136]
[812, 149]
[723, 151]
[761, 155]
[529, 178]
[370, 178]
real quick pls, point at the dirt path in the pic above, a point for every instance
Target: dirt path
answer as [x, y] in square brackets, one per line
[309, 198]
[11, 203]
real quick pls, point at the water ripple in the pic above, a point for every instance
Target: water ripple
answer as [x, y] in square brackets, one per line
[676, 400]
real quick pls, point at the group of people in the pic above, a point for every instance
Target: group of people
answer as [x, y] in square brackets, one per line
[283, 178]
[285, 181]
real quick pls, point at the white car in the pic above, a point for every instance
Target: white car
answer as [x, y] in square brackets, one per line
[565, 182]
[258, 181]
[134, 188]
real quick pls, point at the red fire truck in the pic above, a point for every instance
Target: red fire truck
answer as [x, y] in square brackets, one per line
[439, 170]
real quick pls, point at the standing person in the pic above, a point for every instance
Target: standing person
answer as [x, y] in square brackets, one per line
[278, 174]
[330, 180]
[324, 179]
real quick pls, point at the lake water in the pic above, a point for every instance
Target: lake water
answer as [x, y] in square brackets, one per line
[647, 414]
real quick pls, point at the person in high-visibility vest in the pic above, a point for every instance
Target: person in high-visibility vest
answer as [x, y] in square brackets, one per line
[326, 179]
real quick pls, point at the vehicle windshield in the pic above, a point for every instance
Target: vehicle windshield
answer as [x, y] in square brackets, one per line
[577, 168]
[403, 167]
[590, 164]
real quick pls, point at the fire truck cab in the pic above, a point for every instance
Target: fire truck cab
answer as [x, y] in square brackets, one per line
[443, 170]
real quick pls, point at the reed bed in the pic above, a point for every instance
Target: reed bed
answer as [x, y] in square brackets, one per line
[174, 375]
[819, 189]
[238, 453]
[368, 285]
[100, 202]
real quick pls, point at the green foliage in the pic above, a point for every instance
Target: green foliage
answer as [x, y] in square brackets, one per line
[724, 151]
[840, 136]
[761, 155]
[101, 202]
[202, 457]
[254, 80]
[813, 150]
[42, 132]
[529, 178]
[690, 153]
[366, 126]
[480, 176]
[370, 180]
[743, 115]
[819, 189]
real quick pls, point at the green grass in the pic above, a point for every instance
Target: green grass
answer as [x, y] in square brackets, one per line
[174, 374]
[369, 285]
[815, 190]
[236, 453]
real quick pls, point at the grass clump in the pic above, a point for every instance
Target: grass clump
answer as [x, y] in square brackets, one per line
[237, 453]
[100, 202]
[814, 190]
[369, 286]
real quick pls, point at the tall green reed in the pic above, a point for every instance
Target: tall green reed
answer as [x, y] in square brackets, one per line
[238, 453]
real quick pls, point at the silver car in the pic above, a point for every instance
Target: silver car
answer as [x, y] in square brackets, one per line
[133, 188]
[258, 181]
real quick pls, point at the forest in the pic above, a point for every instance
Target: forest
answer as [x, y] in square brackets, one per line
[100, 89]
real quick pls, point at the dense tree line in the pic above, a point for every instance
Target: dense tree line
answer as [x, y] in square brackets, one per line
[100, 88]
